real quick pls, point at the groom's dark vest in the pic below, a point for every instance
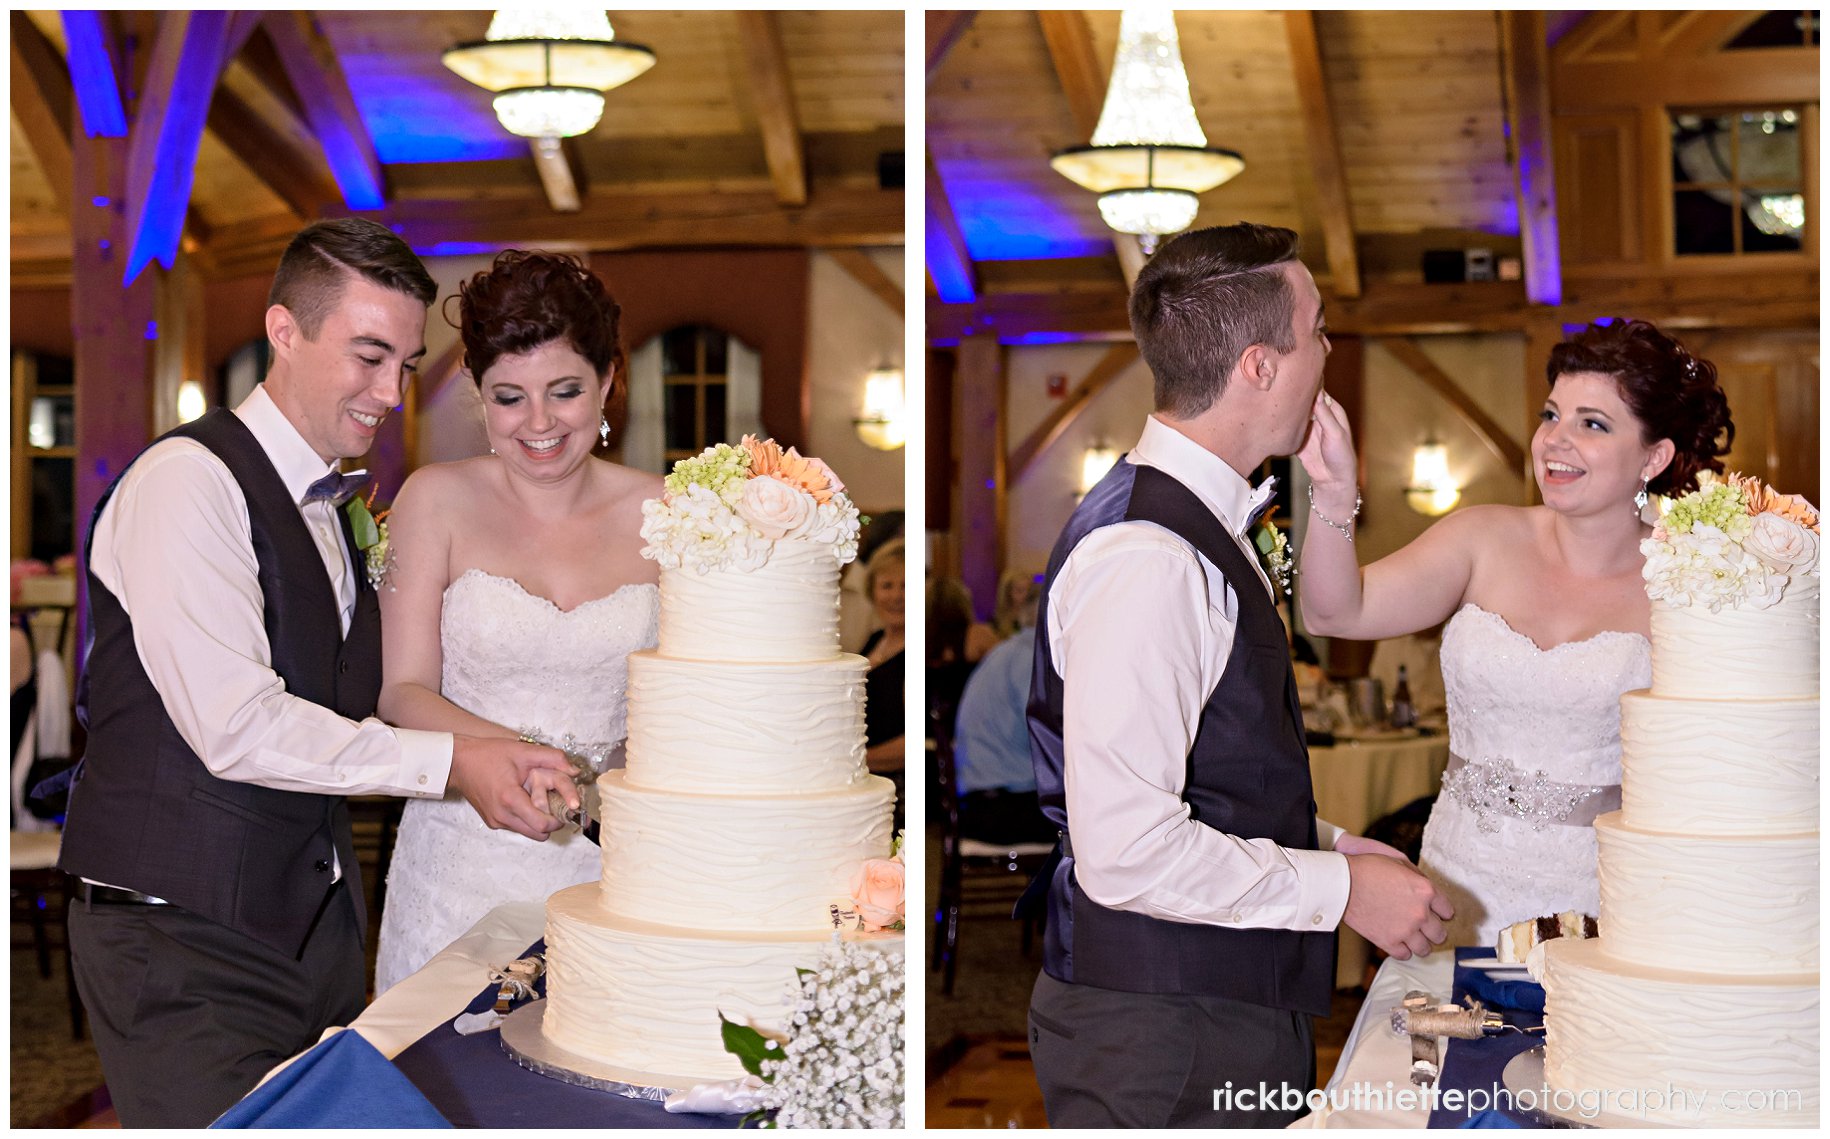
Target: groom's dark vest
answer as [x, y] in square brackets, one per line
[1247, 775]
[146, 814]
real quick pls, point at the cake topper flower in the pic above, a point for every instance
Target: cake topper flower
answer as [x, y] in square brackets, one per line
[729, 505]
[1733, 541]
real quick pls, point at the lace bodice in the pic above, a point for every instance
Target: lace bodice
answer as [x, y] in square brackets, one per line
[1554, 711]
[518, 660]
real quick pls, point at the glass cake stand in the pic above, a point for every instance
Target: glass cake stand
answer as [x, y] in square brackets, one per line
[1524, 1077]
[523, 1040]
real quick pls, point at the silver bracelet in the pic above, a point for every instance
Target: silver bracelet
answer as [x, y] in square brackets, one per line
[1343, 527]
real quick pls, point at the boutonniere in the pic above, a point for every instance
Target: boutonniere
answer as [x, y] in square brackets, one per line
[1274, 552]
[371, 532]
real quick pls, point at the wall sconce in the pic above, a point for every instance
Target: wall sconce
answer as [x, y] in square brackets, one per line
[1432, 490]
[191, 404]
[881, 425]
[1094, 464]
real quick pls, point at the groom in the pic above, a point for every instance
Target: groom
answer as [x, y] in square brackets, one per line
[229, 694]
[1192, 913]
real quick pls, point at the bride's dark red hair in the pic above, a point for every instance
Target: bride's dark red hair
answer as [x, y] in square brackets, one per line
[526, 299]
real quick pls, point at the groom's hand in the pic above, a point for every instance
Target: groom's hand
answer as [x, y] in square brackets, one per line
[1393, 906]
[493, 775]
[1360, 844]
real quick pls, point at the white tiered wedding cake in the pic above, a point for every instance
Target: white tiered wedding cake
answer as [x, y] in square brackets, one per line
[1698, 1003]
[732, 837]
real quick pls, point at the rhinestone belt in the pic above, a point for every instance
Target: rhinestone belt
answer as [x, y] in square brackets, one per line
[1495, 788]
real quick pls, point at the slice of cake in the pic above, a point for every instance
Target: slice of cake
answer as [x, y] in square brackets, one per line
[1520, 938]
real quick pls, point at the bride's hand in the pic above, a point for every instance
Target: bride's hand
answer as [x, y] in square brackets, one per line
[1327, 455]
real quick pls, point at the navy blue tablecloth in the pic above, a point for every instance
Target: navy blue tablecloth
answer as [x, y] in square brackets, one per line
[474, 1083]
[1473, 1068]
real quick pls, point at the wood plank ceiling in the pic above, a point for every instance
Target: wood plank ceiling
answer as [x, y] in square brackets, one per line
[752, 129]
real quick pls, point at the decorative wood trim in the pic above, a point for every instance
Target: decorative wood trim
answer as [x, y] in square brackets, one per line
[1083, 80]
[866, 272]
[558, 174]
[1525, 71]
[772, 93]
[949, 261]
[42, 100]
[269, 155]
[317, 78]
[1324, 143]
[1117, 359]
[944, 30]
[1412, 356]
[167, 130]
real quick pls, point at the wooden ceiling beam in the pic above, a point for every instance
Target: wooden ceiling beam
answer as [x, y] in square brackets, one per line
[1077, 68]
[949, 261]
[317, 78]
[167, 131]
[1779, 75]
[1324, 144]
[772, 94]
[1525, 73]
[864, 270]
[1697, 32]
[1109, 367]
[269, 155]
[96, 64]
[944, 30]
[1413, 357]
[558, 172]
[42, 102]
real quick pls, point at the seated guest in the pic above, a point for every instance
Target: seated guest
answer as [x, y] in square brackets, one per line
[857, 616]
[883, 685]
[996, 779]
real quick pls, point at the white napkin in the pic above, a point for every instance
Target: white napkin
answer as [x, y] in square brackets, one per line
[724, 1098]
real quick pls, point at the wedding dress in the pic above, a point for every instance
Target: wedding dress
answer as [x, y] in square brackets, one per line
[1534, 737]
[518, 660]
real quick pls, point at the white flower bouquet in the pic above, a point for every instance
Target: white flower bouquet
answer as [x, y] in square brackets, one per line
[729, 505]
[1733, 541]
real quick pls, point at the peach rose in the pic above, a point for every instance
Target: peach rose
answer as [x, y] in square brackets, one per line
[876, 891]
[765, 455]
[775, 509]
[1783, 545]
[810, 475]
[1788, 506]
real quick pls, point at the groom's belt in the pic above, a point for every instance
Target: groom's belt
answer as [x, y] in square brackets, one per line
[97, 895]
[1494, 788]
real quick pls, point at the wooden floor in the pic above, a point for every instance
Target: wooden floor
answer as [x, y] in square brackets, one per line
[989, 1083]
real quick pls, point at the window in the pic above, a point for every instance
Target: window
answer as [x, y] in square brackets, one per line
[44, 456]
[1736, 181]
[694, 366]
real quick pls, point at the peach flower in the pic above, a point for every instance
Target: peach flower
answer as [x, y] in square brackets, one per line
[1791, 507]
[810, 475]
[876, 891]
[765, 455]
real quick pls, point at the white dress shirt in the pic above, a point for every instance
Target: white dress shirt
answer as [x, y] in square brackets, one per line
[175, 548]
[1140, 627]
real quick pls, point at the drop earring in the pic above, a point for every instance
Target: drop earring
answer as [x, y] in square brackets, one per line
[1639, 500]
[603, 430]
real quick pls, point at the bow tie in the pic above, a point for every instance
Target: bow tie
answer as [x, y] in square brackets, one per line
[335, 488]
[1260, 502]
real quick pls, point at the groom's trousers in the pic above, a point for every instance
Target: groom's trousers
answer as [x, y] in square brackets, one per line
[1109, 1059]
[188, 1015]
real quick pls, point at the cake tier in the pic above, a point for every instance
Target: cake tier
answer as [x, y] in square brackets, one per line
[1719, 766]
[1761, 654]
[787, 610]
[1741, 1051]
[648, 997]
[739, 862]
[776, 727]
[1740, 904]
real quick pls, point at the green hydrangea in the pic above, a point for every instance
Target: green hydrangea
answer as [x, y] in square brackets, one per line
[1719, 505]
[722, 469]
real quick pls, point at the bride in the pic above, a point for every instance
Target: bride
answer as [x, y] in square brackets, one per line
[1550, 615]
[515, 593]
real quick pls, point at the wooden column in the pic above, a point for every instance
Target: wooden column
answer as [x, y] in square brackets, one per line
[1542, 333]
[178, 352]
[981, 428]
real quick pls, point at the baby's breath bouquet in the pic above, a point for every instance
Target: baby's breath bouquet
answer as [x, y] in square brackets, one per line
[842, 1063]
[1733, 541]
[728, 505]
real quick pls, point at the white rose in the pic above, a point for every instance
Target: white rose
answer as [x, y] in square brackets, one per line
[775, 509]
[1782, 545]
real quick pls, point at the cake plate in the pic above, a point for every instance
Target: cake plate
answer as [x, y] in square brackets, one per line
[1524, 1075]
[523, 1040]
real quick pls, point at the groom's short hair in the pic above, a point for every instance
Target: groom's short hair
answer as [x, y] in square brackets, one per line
[1206, 297]
[323, 256]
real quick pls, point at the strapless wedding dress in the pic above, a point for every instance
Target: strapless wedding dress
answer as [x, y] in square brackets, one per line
[1534, 737]
[518, 660]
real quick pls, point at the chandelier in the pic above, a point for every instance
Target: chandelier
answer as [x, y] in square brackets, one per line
[1149, 157]
[549, 68]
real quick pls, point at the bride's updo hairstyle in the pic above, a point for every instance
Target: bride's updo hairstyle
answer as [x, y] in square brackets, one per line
[525, 299]
[1672, 393]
